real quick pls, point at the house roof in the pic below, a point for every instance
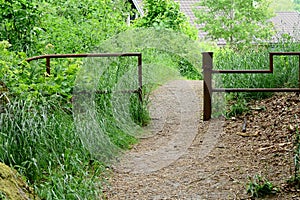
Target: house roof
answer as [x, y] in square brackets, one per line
[284, 22]
[287, 23]
[138, 5]
[186, 7]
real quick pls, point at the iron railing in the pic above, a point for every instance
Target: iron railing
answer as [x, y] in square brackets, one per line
[207, 61]
[135, 54]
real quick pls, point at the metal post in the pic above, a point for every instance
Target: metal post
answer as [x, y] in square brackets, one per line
[140, 74]
[207, 64]
[48, 65]
[299, 71]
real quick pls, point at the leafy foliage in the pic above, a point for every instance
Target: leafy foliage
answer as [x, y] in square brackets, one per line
[69, 26]
[237, 104]
[30, 82]
[297, 5]
[235, 21]
[38, 136]
[166, 14]
[19, 23]
[260, 187]
[79, 26]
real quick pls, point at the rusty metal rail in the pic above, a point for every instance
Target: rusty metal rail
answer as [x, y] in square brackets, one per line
[207, 63]
[134, 54]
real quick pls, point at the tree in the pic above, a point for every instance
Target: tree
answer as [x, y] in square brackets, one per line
[80, 25]
[165, 14]
[235, 21]
[297, 5]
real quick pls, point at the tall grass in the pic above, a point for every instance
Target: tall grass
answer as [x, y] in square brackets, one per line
[43, 146]
[285, 68]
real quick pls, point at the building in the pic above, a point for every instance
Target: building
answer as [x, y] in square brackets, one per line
[135, 5]
[286, 24]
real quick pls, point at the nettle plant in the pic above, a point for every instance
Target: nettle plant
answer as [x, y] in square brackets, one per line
[29, 81]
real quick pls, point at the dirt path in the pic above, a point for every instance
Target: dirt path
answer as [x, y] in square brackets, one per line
[175, 113]
[183, 157]
[166, 163]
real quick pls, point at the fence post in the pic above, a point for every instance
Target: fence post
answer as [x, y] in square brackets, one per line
[207, 65]
[140, 78]
[48, 69]
[299, 71]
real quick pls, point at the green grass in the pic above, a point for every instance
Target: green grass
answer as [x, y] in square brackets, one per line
[41, 141]
[43, 146]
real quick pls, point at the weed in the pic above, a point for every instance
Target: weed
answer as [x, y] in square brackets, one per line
[237, 105]
[138, 110]
[260, 187]
[42, 145]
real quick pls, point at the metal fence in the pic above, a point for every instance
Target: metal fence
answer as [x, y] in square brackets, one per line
[207, 63]
[138, 55]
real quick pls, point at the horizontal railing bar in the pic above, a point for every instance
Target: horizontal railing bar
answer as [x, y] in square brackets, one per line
[207, 61]
[83, 55]
[106, 92]
[241, 71]
[285, 53]
[255, 90]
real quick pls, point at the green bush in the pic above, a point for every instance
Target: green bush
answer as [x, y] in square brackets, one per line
[166, 14]
[79, 26]
[37, 132]
[30, 81]
[20, 23]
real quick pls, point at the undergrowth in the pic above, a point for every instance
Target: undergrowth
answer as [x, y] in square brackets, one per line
[38, 134]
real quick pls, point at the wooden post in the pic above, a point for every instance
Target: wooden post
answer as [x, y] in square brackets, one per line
[207, 64]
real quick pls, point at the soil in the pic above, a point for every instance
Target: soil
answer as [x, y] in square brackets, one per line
[183, 157]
